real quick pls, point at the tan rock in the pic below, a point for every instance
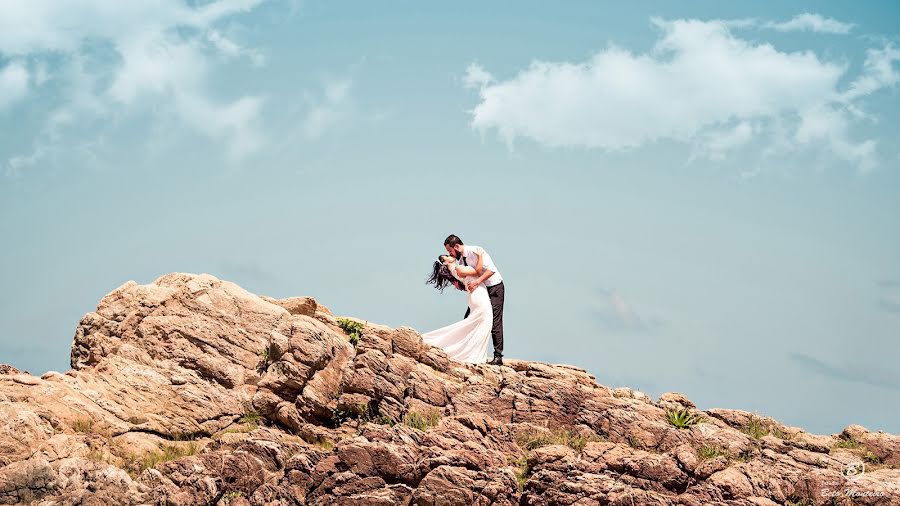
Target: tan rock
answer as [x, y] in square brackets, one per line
[190, 390]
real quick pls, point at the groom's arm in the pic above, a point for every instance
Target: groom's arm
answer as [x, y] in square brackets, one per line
[480, 270]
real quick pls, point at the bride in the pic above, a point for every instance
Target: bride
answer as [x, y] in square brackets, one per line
[466, 340]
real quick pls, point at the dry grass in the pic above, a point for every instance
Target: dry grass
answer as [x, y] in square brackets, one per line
[422, 420]
[136, 464]
[711, 451]
[755, 427]
[523, 473]
[83, 425]
[529, 439]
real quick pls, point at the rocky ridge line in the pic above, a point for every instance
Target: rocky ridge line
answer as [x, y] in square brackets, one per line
[191, 390]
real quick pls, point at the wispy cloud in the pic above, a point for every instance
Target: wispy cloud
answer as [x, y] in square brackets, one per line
[616, 314]
[852, 373]
[327, 108]
[136, 57]
[13, 83]
[701, 84]
[812, 23]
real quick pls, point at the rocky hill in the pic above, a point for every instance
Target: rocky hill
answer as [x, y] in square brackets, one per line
[191, 390]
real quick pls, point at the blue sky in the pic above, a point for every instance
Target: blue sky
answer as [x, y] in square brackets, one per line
[699, 198]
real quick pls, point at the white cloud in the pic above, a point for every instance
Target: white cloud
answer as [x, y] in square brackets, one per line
[158, 59]
[700, 84]
[13, 83]
[879, 72]
[326, 111]
[476, 77]
[812, 23]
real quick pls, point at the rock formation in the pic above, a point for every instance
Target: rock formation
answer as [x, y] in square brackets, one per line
[191, 390]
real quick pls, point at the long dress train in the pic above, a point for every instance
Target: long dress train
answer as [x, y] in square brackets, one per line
[467, 340]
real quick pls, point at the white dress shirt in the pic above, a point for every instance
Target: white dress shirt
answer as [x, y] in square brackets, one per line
[470, 253]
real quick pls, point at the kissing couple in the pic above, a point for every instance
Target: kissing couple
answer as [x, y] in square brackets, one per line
[470, 268]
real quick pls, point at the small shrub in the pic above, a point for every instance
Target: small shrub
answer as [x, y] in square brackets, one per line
[264, 357]
[744, 456]
[780, 434]
[707, 452]
[251, 417]
[848, 443]
[422, 421]
[230, 496]
[755, 428]
[682, 417]
[871, 458]
[351, 328]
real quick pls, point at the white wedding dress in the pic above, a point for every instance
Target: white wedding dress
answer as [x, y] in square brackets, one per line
[467, 340]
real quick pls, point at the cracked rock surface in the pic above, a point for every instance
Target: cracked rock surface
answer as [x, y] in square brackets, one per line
[191, 390]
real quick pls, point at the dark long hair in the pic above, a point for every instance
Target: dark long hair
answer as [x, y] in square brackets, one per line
[441, 276]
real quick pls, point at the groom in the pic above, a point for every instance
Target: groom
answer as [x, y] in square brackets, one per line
[490, 276]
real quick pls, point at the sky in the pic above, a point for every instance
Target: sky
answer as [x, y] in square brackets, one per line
[698, 197]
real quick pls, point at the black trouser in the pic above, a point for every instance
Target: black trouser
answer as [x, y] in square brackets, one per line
[496, 295]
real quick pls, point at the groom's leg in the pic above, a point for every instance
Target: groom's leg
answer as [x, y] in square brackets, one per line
[496, 293]
[468, 309]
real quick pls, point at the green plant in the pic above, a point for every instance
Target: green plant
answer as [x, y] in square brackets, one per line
[251, 417]
[230, 496]
[682, 417]
[578, 441]
[846, 442]
[83, 425]
[871, 458]
[781, 434]
[523, 473]
[323, 443]
[755, 427]
[530, 439]
[351, 328]
[744, 456]
[634, 442]
[264, 357]
[709, 451]
[422, 421]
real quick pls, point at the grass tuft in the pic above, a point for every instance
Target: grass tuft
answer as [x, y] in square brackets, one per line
[422, 420]
[871, 458]
[682, 418]
[83, 425]
[251, 417]
[523, 473]
[530, 439]
[135, 465]
[755, 427]
[848, 443]
[709, 451]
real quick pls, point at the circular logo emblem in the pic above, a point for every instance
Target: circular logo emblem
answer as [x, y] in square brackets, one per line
[854, 470]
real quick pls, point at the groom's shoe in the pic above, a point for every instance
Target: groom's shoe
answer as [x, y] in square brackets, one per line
[497, 360]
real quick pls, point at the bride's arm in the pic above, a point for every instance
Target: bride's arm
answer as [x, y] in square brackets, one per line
[464, 270]
[460, 270]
